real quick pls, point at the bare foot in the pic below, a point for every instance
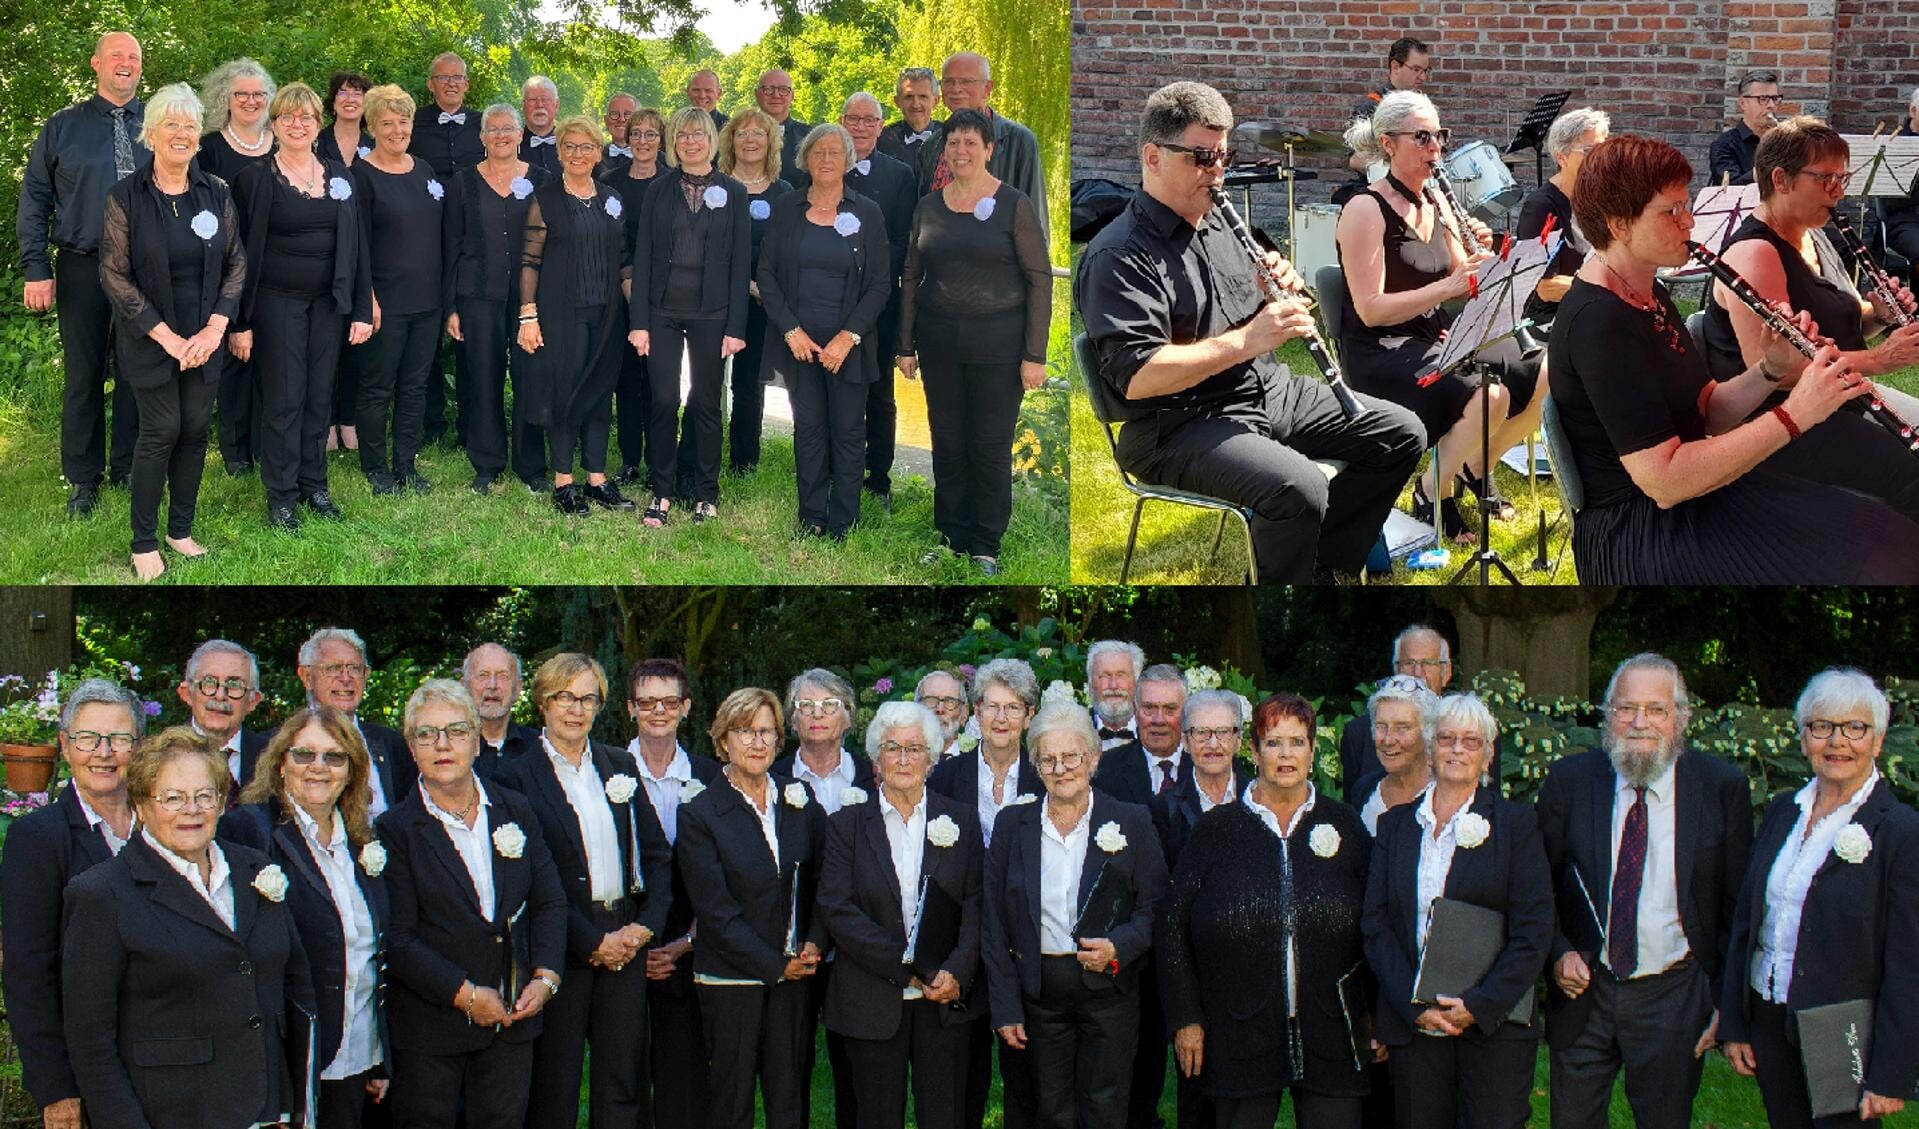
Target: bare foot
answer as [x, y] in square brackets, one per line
[186, 546]
[148, 566]
[332, 438]
[349, 438]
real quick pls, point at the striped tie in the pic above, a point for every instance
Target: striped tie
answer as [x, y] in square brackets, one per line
[1622, 936]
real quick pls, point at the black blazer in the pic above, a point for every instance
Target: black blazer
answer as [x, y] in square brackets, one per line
[437, 938]
[1359, 793]
[1358, 757]
[173, 1019]
[1010, 941]
[352, 263]
[892, 185]
[1506, 873]
[1220, 951]
[1858, 931]
[957, 778]
[531, 775]
[47, 849]
[868, 285]
[519, 738]
[729, 250]
[742, 902]
[392, 759]
[463, 237]
[1712, 837]
[1177, 812]
[137, 278]
[862, 770]
[316, 918]
[1122, 773]
[251, 746]
[859, 903]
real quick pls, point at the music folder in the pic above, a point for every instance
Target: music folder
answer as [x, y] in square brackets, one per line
[1835, 1042]
[1104, 908]
[1461, 945]
[1357, 1010]
[935, 932]
[303, 1066]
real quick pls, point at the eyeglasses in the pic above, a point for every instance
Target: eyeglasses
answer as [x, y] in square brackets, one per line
[692, 135]
[348, 671]
[1065, 762]
[1762, 99]
[249, 96]
[747, 735]
[211, 687]
[860, 119]
[451, 79]
[431, 734]
[1823, 730]
[941, 702]
[1003, 709]
[1830, 181]
[489, 677]
[644, 135]
[749, 133]
[1471, 742]
[1419, 666]
[86, 740]
[501, 130]
[1683, 208]
[567, 700]
[1424, 137]
[896, 751]
[297, 117]
[579, 148]
[1656, 712]
[654, 705]
[1223, 735]
[173, 803]
[1422, 72]
[786, 90]
[1205, 156]
[818, 707]
[334, 758]
[1582, 150]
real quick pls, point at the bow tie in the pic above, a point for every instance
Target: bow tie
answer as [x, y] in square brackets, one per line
[549, 139]
[456, 119]
[618, 151]
[916, 138]
[1106, 734]
[863, 167]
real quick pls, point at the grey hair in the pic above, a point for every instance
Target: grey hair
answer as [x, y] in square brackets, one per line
[925, 74]
[1758, 78]
[174, 98]
[1160, 672]
[966, 692]
[819, 133]
[502, 109]
[540, 81]
[862, 96]
[466, 664]
[824, 679]
[221, 647]
[899, 715]
[441, 58]
[1173, 107]
[1106, 647]
[1394, 110]
[1209, 699]
[1912, 100]
[1572, 125]
[1405, 688]
[104, 692]
[1416, 630]
[619, 94]
[1063, 717]
[310, 650]
[1839, 690]
[985, 64]
[1647, 660]
[1464, 709]
[446, 691]
[1015, 675]
[218, 84]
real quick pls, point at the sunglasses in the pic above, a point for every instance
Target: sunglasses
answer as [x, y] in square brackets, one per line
[1204, 157]
[1424, 137]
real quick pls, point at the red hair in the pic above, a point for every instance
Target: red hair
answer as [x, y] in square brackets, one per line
[1620, 178]
[1268, 714]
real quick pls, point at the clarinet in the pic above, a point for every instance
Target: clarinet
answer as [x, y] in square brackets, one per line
[1874, 407]
[1529, 345]
[1315, 344]
[1896, 313]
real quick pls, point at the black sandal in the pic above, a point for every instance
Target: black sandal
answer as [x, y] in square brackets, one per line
[704, 512]
[1487, 491]
[656, 515]
[1453, 525]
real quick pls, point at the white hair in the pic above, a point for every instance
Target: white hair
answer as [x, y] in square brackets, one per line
[1215, 699]
[1467, 711]
[1572, 125]
[822, 679]
[1415, 631]
[1062, 717]
[862, 96]
[502, 110]
[310, 650]
[221, 647]
[899, 715]
[1405, 688]
[1160, 672]
[1016, 676]
[466, 664]
[216, 88]
[1106, 647]
[1394, 110]
[985, 64]
[920, 686]
[1839, 690]
[1647, 660]
[823, 132]
[539, 82]
[103, 692]
[173, 99]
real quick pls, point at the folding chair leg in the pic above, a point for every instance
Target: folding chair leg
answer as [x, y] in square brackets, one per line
[1252, 555]
[1132, 539]
[1217, 535]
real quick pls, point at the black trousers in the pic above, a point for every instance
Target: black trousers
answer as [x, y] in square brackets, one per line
[430, 1091]
[1463, 1082]
[343, 1104]
[1647, 1027]
[932, 1050]
[633, 399]
[1781, 1073]
[448, 359]
[845, 1099]
[972, 410]
[1310, 1111]
[754, 1034]
[1080, 1043]
[398, 365]
[239, 402]
[296, 353]
[699, 338]
[86, 337]
[171, 451]
[346, 383]
[1298, 517]
[1019, 1106]
[608, 1010]
[749, 395]
[489, 328]
[676, 1052]
[1849, 450]
[882, 414]
[588, 433]
[1149, 1057]
[829, 434]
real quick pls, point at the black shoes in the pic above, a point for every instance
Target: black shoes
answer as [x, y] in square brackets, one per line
[80, 500]
[608, 494]
[884, 498]
[383, 484]
[413, 480]
[988, 566]
[238, 468]
[629, 474]
[321, 503]
[483, 484]
[571, 500]
[538, 485]
[284, 519]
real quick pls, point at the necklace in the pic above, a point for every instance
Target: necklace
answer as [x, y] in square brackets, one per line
[259, 146]
[308, 183]
[1660, 323]
[586, 201]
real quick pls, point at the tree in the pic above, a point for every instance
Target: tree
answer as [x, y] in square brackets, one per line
[36, 630]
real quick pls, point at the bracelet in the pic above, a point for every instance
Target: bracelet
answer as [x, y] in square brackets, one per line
[1768, 375]
[1785, 418]
[529, 319]
[472, 996]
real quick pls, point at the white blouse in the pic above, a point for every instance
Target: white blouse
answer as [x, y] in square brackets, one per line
[1789, 881]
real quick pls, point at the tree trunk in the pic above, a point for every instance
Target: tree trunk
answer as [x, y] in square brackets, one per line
[1543, 633]
[1236, 627]
[36, 631]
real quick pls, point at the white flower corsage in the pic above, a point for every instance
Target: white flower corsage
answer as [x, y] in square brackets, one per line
[340, 188]
[852, 795]
[1324, 840]
[714, 196]
[759, 209]
[796, 795]
[1025, 798]
[205, 224]
[689, 790]
[522, 188]
[1853, 843]
[509, 840]
[373, 859]
[967, 742]
[1110, 838]
[363, 150]
[983, 210]
[272, 883]
[847, 224]
[1471, 829]
[621, 788]
[942, 832]
[434, 190]
[614, 207]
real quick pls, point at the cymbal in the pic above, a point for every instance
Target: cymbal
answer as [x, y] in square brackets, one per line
[1278, 135]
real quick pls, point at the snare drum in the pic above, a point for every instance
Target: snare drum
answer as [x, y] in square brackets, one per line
[1484, 183]
[1313, 243]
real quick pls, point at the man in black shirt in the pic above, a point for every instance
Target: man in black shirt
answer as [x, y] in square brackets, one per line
[1902, 214]
[1409, 63]
[915, 94]
[889, 184]
[774, 94]
[80, 153]
[1734, 151]
[539, 105]
[966, 83]
[446, 135]
[1184, 338]
[703, 90]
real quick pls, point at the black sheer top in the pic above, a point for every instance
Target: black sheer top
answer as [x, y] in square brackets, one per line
[218, 156]
[980, 289]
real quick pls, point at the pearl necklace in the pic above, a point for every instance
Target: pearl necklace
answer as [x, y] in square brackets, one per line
[266, 139]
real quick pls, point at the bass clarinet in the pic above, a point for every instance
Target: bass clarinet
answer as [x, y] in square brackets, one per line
[1529, 345]
[1874, 407]
[1896, 312]
[1315, 344]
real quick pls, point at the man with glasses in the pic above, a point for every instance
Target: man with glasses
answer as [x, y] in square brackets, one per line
[892, 186]
[494, 676]
[703, 90]
[1183, 337]
[539, 107]
[618, 115]
[1647, 840]
[446, 135]
[915, 93]
[1419, 651]
[1735, 151]
[966, 83]
[1113, 667]
[774, 94]
[944, 694]
[334, 670]
[221, 687]
[1409, 63]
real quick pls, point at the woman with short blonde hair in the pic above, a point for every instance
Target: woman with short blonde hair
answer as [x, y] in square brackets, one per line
[750, 154]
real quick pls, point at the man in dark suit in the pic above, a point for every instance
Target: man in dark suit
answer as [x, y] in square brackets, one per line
[703, 90]
[494, 676]
[221, 687]
[1157, 762]
[774, 94]
[892, 186]
[333, 668]
[1648, 842]
[1419, 651]
[942, 692]
[1113, 667]
[915, 94]
[446, 135]
[539, 105]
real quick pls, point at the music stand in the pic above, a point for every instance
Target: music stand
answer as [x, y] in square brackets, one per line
[1717, 212]
[1533, 130]
[1879, 165]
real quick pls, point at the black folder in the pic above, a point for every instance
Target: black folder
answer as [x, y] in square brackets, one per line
[938, 935]
[1835, 1043]
[1104, 908]
[1356, 1008]
[1461, 945]
[303, 1067]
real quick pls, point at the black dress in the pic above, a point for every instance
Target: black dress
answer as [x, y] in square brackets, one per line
[1395, 362]
[1826, 294]
[1544, 203]
[572, 263]
[1620, 387]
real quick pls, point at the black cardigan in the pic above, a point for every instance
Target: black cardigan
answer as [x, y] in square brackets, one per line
[464, 239]
[868, 285]
[729, 251]
[134, 268]
[743, 904]
[352, 266]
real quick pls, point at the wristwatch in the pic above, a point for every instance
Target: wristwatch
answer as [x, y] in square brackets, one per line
[856, 337]
[552, 984]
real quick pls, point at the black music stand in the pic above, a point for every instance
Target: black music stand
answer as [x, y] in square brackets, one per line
[1533, 130]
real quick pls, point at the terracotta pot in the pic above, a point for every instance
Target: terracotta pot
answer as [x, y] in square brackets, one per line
[29, 767]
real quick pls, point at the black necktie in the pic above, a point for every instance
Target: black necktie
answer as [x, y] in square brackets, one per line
[122, 144]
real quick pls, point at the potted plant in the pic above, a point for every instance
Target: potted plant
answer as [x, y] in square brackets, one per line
[29, 731]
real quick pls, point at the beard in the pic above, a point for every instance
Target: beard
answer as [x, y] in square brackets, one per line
[1640, 768]
[492, 711]
[1114, 714]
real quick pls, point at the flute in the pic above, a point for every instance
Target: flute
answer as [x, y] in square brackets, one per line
[1896, 312]
[1874, 407]
[1469, 239]
[1315, 344]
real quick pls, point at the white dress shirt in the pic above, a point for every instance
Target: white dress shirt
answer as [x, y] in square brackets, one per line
[1206, 802]
[1435, 857]
[1375, 807]
[1804, 852]
[906, 838]
[475, 844]
[663, 791]
[1271, 823]
[216, 890]
[1156, 765]
[586, 795]
[989, 808]
[232, 750]
[1061, 858]
[94, 819]
[360, 1041]
[380, 802]
[830, 788]
[1662, 939]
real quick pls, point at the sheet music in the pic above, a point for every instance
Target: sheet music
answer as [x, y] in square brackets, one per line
[1880, 166]
[1500, 304]
[1717, 212]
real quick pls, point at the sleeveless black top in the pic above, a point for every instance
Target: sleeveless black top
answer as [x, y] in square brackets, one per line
[1828, 295]
[1410, 264]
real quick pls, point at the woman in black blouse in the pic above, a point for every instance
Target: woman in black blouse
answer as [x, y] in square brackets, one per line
[1675, 493]
[402, 211]
[977, 297]
[308, 295]
[748, 155]
[484, 218]
[1401, 251]
[574, 267]
[1260, 954]
[238, 135]
[629, 178]
[824, 281]
[345, 141]
[172, 266]
[690, 258]
[1574, 134]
